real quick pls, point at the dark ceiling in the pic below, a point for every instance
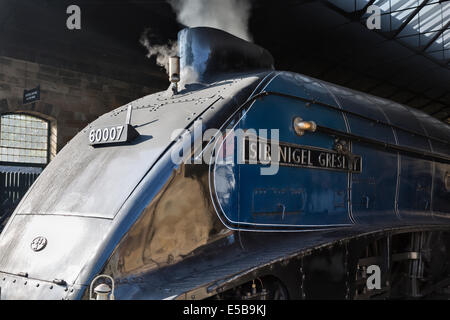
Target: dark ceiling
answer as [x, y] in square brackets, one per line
[316, 38]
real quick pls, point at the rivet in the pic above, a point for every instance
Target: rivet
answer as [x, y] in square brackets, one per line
[37, 285]
[25, 283]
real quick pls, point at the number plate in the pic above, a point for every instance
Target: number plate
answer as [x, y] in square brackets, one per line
[111, 135]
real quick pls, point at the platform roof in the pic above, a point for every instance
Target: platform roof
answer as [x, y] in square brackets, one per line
[406, 61]
[421, 25]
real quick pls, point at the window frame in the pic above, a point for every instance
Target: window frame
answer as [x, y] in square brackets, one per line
[48, 153]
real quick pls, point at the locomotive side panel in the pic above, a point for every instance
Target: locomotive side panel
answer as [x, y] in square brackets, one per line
[373, 191]
[299, 194]
[414, 195]
[393, 185]
[439, 134]
[441, 191]
[294, 195]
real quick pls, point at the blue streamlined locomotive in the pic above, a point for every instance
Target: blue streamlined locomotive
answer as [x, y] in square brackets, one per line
[369, 176]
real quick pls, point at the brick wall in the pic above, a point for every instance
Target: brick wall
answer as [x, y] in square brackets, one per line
[69, 99]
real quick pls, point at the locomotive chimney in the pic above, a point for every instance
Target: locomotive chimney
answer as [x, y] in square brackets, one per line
[174, 72]
[208, 53]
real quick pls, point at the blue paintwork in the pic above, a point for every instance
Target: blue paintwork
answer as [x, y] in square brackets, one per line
[441, 198]
[414, 199]
[313, 197]
[373, 190]
[391, 187]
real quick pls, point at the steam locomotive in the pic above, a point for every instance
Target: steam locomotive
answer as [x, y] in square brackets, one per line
[351, 181]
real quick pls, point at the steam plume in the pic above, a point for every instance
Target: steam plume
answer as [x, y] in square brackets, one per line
[228, 15]
[162, 52]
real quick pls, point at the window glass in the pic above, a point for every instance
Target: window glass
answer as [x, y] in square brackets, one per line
[23, 138]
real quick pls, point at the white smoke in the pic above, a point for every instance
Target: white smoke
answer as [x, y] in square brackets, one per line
[229, 15]
[162, 52]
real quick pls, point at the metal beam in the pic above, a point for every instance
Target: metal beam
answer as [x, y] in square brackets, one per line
[410, 17]
[364, 10]
[352, 16]
[436, 36]
[389, 35]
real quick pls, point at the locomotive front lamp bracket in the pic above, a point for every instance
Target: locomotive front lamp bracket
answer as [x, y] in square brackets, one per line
[300, 126]
[102, 291]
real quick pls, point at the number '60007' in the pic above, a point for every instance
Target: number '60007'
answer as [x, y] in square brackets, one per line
[105, 134]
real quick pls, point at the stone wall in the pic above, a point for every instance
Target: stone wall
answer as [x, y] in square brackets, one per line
[69, 99]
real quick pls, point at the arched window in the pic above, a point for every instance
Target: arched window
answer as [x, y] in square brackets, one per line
[24, 139]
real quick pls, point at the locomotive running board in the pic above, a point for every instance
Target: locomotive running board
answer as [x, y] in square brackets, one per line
[192, 280]
[334, 239]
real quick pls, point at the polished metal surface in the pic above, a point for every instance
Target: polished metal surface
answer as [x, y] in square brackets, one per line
[83, 233]
[102, 291]
[174, 69]
[300, 126]
[71, 241]
[179, 220]
[207, 52]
